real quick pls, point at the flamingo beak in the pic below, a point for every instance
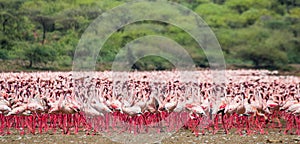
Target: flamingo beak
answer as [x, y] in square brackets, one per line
[162, 109]
[76, 108]
[139, 114]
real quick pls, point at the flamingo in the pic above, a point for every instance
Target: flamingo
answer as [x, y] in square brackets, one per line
[170, 104]
[17, 110]
[4, 109]
[101, 107]
[296, 112]
[131, 111]
[195, 109]
[153, 105]
[287, 104]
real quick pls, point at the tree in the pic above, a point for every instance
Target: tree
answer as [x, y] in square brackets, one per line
[243, 5]
[47, 24]
[264, 57]
[39, 54]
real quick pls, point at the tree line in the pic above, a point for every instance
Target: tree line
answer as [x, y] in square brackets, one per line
[43, 34]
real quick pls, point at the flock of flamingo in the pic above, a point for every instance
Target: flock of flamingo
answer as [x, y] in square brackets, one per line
[250, 101]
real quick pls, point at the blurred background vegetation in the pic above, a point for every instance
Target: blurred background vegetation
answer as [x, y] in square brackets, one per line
[43, 34]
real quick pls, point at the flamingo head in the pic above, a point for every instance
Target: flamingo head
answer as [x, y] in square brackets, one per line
[229, 109]
[222, 106]
[115, 107]
[189, 106]
[40, 108]
[76, 108]
[267, 110]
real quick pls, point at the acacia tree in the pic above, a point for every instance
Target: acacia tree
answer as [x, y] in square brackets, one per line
[47, 24]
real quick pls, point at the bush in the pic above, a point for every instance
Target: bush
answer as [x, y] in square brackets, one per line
[3, 54]
[264, 57]
[40, 54]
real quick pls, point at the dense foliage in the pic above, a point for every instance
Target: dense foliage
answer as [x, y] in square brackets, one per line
[43, 34]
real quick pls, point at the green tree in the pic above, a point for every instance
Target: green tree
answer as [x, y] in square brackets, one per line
[38, 54]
